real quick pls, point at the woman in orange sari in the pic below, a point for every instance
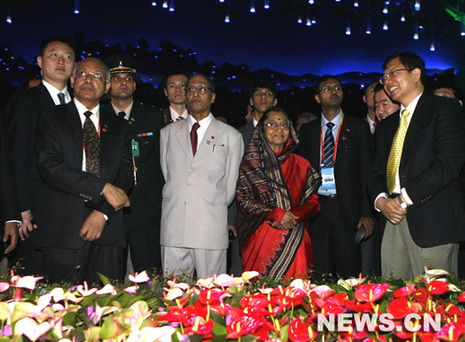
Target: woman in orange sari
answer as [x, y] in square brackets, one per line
[276, 194]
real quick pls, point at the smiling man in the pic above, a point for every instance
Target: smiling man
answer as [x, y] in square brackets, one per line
[384, 106]
[84, 157]
[200, 159]
[56, 60]
[415, 177]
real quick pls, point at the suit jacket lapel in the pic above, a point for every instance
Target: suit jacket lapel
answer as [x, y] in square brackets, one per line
[44, 97]
[211, 138]
[74, 120]
[420, 114]
[184, 138]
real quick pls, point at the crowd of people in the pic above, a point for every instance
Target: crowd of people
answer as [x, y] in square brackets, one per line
[90, 186]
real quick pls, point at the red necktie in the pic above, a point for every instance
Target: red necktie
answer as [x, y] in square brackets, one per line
[193, 134]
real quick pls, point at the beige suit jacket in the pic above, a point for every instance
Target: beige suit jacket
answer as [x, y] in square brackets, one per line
[198, 189]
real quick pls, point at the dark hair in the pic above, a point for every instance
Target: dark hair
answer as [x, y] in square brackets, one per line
[322, 79]
[263, 84]
[267, 113]
[378, 88]
[164, 80]
[410, 60]
[368, 85]
[456, 90]
[56, 38]
[210, 82]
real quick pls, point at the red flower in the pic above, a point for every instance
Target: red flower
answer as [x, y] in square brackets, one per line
[401, 307]
[183, 315]
[242, 326]
[403, 291]
[301, 331]
[258, 299]
[200, 327]
[437, 287]
[211, 297]
[370, 292]
[400, 331]
[451, 331]
[359, 307]
[462, 298]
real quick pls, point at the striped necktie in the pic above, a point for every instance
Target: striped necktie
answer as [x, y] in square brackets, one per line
[328, 146]
[396, 152]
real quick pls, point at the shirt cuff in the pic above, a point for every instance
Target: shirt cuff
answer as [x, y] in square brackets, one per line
[14, 221]
[406, 197]
[383, 194]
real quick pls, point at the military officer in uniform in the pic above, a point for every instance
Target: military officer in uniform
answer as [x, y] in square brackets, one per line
[142, 219]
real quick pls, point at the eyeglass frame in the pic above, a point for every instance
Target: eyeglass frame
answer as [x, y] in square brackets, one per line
[202, 89]
[97, 76]
[391, 74]
[282, 126]
[328, 89]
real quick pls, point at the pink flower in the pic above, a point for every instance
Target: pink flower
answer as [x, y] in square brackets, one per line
[27, 282]
[370, 292]
[139, 277]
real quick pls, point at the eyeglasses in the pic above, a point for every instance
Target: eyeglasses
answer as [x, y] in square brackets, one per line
[95, 75]
[391, 74]
[274, 125]
[200, 89]
[328, 89]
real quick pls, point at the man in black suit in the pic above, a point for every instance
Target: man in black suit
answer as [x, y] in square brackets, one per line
[420, 152]
[142, 219]
[343, 195]
[84, 157]
[56, 60]
[9, 205]
[173, 85]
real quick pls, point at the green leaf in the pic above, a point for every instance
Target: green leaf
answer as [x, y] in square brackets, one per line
[284, 333]
[104, 279]
[70, 319]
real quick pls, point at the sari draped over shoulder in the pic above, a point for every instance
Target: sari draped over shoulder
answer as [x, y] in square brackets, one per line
[269, 185]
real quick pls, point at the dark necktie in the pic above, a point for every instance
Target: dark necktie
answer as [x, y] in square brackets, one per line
[61, 97]
[194, 138]
[122, 115]
[328, 146]
[92, 146]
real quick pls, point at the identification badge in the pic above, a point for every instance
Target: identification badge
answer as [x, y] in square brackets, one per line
[327, 178]
[135, 148]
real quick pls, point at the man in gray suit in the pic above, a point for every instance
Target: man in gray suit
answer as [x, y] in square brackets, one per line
[200, 159]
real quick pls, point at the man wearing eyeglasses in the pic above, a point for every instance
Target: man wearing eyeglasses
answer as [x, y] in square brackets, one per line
[84, 157]
[142, 219]
[200, 159]
[338, 146]
[415, 177]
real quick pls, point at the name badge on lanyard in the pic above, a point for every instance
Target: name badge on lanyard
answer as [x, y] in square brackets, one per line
[135, 148]
[327, 178]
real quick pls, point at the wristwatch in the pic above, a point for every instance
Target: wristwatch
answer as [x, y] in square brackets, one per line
[403, 204]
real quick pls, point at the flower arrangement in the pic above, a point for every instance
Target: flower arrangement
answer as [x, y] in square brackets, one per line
[226, 308]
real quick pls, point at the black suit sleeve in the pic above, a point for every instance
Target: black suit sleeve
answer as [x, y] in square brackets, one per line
[125, 176]
[20, 145]
[9, 199]
[53, 150]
